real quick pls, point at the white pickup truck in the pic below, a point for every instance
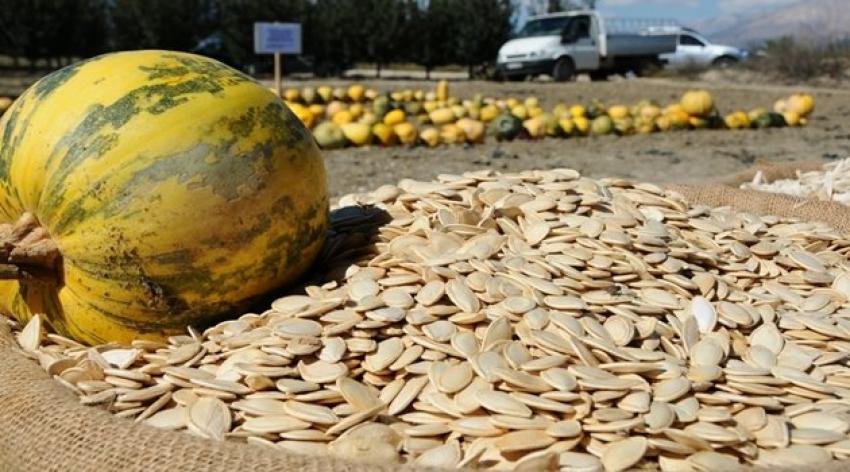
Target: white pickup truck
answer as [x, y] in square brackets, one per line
[562, 44]
[695, 50]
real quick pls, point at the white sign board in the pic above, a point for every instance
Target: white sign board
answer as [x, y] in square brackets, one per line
[277, 38]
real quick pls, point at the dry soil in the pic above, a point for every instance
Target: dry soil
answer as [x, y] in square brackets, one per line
[683, 156]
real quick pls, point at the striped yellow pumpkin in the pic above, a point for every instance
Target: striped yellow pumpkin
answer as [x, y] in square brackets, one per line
[177, 189]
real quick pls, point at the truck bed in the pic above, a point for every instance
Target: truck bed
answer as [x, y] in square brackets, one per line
[631, 44]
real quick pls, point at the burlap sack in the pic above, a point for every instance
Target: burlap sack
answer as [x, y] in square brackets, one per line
[770, 170]
[726, 191]
[753, 201]
[44, 428]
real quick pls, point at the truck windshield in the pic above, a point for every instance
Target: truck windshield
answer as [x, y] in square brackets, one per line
[543, 27]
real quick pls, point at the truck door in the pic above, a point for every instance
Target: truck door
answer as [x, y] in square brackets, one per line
[690, 51]
[579, 41]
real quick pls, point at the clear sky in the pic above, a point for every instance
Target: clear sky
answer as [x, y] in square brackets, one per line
[684, 10]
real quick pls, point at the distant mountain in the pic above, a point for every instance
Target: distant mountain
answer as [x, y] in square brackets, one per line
[807, 20]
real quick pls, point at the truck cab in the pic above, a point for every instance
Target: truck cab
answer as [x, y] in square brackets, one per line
[546, 39]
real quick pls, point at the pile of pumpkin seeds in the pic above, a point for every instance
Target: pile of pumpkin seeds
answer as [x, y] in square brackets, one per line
[531, 321]
[832, 183]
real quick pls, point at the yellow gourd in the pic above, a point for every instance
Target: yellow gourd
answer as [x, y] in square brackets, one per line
[582, 124]
[333, 108]
[737, 120]
[292, 95]
[536, 127]
[534, 112]
[697, 102]
[342, 117]
[602, 125]
[561, 111]
[394, 117]
[650, 112]
[451, 134]
[176, 191]
[567, 125]
[792, 118]
[801, 103]
[430, 136]
[356, 110]
[359, 134]
[5, 103]
[317, 110]
[678, 118]
[618, 112]
[442, 90]
[625, 125]
[755, 113]
[441, 116]
[578, 111]
[520, 112]
[304, 114]
[356, 92]
[368, 118]
[698, 122]
[384, 134]
[489, 113]
[472, 129]
[325, 92]
[406, 132]
[663, 123]
[458, 111]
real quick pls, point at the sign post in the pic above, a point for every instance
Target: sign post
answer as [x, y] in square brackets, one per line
[277, 73]
[277, 39]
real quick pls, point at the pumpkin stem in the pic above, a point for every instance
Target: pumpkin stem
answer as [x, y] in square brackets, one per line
[27, 253]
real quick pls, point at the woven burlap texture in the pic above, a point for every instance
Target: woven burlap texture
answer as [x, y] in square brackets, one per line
[44, 428]
[726, 192]
[770, 171]
[753, 201]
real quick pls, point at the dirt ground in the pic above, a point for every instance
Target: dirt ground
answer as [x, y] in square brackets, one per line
[685, 156]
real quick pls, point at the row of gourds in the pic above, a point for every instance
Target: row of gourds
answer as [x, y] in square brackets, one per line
[360, 116]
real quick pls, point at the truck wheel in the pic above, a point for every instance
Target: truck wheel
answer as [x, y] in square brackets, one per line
[724, 61]
[647, 67]
[564, 70]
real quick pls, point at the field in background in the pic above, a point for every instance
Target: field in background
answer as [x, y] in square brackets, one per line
[661, 157]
